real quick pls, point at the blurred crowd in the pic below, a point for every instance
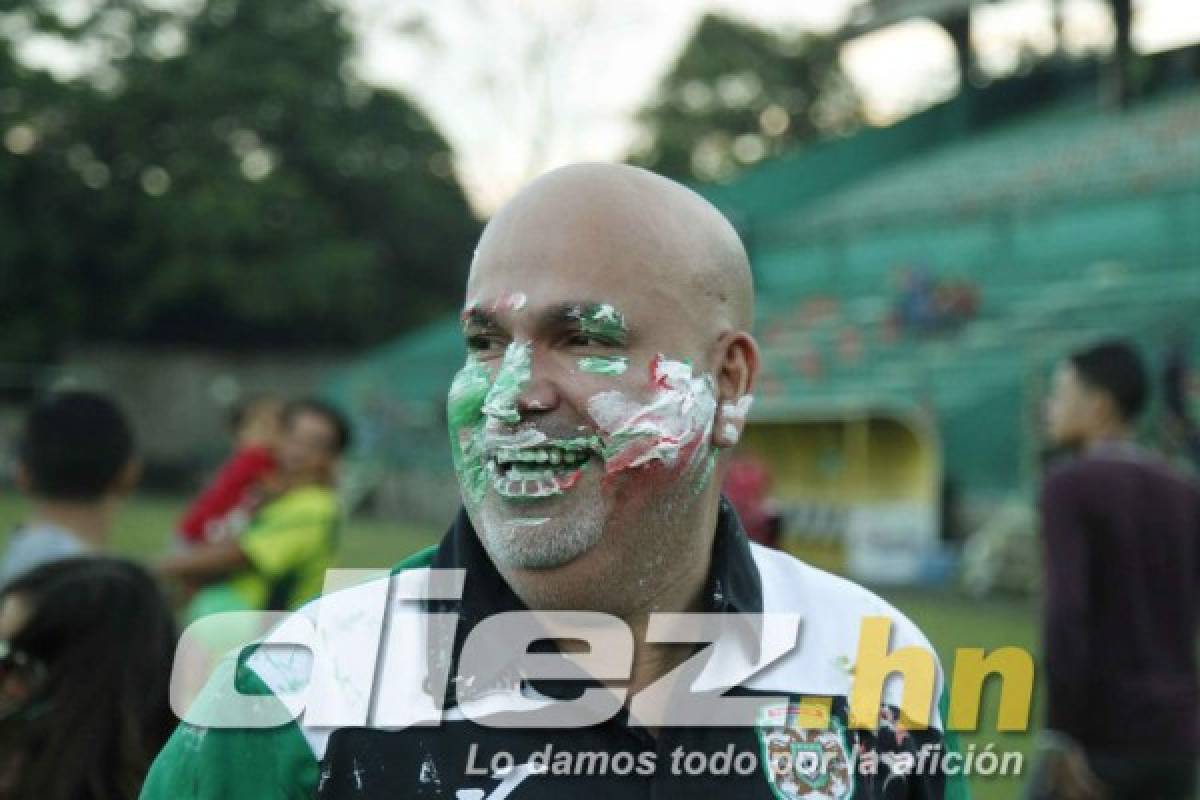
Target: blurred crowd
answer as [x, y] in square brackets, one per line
[927, 305]
[87, 640]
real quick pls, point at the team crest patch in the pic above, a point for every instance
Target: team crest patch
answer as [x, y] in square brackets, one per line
[804, 751]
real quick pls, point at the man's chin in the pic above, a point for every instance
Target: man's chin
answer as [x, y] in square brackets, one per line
[539, 536]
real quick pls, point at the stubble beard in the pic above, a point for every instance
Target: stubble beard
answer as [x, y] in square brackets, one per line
[534, 542]
[649, 536]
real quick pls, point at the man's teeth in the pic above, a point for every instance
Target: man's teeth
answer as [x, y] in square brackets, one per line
[532, 472]
[552, 456]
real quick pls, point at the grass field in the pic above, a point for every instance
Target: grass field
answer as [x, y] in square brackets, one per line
[950, 620]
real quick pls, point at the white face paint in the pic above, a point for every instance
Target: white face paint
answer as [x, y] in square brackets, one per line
[541, 497]
[514, 373]
[734, 413]
[673, 427]
[740, 409]
[528, 522]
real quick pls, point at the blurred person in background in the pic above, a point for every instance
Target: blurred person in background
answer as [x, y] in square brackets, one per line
[748, 487]
[75, 461]
[85, 658]
[280, 559]
[242, 483]
[1180, 422]
[1120, 530]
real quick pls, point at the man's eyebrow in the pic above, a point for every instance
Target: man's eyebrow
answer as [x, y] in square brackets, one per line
[592, 316]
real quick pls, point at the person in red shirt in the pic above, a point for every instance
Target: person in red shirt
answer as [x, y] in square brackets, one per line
[225, 505]
[748, 487]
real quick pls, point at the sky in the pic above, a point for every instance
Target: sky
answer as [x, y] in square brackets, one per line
[523, 86]
[519, 87]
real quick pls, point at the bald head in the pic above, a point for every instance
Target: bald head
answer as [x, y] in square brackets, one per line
[629, 225]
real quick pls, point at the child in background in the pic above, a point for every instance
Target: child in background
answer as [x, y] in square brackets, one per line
[225, 505]
[76, 462]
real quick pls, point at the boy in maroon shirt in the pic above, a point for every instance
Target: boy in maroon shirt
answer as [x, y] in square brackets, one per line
[1121, 547]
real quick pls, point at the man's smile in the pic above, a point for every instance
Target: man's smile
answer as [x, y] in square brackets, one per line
[546, 468]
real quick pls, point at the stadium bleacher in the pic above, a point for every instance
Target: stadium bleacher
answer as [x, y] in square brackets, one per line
[1070, 221]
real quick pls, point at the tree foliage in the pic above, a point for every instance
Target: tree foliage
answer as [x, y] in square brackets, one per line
[737, 95]
[217, 176]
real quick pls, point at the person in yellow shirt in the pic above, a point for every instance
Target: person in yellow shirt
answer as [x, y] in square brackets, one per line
[280, 560]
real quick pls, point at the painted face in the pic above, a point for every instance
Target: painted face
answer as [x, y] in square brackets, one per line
[566, 419]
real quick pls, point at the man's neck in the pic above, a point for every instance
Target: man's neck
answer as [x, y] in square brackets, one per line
[1108, 434]
[89, 522]
[684, 594]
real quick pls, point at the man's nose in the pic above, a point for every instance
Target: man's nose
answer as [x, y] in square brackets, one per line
[520, 387]
[539, 394]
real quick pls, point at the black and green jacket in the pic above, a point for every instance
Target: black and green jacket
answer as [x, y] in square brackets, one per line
[403, 747]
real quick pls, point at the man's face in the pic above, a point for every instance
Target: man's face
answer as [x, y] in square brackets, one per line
[306, 449]
[1069, 408]
[585, 406]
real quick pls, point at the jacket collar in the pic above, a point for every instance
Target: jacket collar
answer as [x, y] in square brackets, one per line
[733, 587]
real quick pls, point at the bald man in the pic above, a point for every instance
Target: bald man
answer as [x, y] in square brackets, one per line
[609, 372]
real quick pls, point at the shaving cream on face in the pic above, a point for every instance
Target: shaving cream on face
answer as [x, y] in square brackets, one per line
[734, 413]
[516, 370]
[604, 365]
[673, 427]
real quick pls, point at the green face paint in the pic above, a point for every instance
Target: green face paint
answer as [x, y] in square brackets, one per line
[515, 373]
[704, 476]
[604, 365]
[603, 321]
[464, 414]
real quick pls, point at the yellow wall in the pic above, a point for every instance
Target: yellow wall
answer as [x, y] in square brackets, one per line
[847, 461]
[822, 470]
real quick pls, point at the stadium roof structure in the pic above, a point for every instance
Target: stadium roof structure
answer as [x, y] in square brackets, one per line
[1058, 156]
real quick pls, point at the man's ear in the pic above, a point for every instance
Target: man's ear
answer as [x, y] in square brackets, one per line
[737, 370]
